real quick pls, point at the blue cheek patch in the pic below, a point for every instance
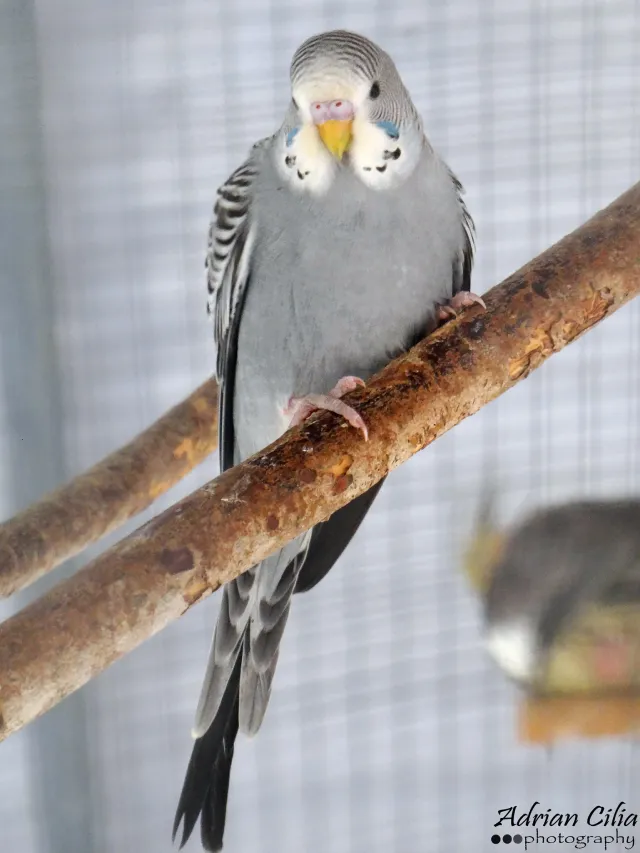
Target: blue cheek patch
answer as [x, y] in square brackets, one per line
[389, 128]
[292, 135]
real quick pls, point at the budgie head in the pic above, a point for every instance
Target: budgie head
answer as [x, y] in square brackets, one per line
[349, 109]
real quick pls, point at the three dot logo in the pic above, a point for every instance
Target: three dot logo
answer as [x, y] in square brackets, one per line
[506, 838]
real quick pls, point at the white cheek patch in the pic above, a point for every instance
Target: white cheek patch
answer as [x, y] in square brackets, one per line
[378, 160]
[305, 163]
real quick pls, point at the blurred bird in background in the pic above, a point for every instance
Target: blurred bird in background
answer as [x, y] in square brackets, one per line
[341, 241]
[561, 596]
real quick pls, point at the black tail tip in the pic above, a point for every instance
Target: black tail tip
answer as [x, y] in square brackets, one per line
[183, 840]
[187, 828]
[211, 840]
[206, 785]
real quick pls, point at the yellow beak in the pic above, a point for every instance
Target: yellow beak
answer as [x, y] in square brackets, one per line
[336, 135]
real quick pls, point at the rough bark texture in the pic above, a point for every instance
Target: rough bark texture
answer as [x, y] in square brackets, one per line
[136, 588]
[69, 519]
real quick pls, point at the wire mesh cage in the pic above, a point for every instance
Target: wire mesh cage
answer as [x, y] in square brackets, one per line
[388, 726]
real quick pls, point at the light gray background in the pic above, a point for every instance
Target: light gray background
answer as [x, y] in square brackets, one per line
[388, 728]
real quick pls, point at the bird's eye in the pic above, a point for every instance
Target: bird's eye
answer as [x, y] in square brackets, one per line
[374, 91]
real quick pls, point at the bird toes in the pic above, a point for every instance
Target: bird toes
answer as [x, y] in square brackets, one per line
[464, 299]
[301, 407]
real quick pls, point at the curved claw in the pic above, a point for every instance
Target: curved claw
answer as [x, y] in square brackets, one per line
[346, 384]
[446, 312]
[301, 407]
[464, 299]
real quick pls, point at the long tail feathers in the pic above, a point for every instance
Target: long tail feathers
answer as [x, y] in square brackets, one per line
[253, 615]
[235, 692]
[206, 785]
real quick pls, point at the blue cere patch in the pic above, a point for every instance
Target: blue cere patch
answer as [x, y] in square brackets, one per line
[389, 128]
[292, 135]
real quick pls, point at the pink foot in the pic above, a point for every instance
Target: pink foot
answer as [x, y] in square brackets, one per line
[463, 299]
[346, 384]
[301, 407]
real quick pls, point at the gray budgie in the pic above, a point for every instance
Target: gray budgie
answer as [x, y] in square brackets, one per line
[336, 246]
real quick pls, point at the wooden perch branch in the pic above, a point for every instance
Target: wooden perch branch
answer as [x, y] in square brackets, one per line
[139, 586]
[69, 519]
